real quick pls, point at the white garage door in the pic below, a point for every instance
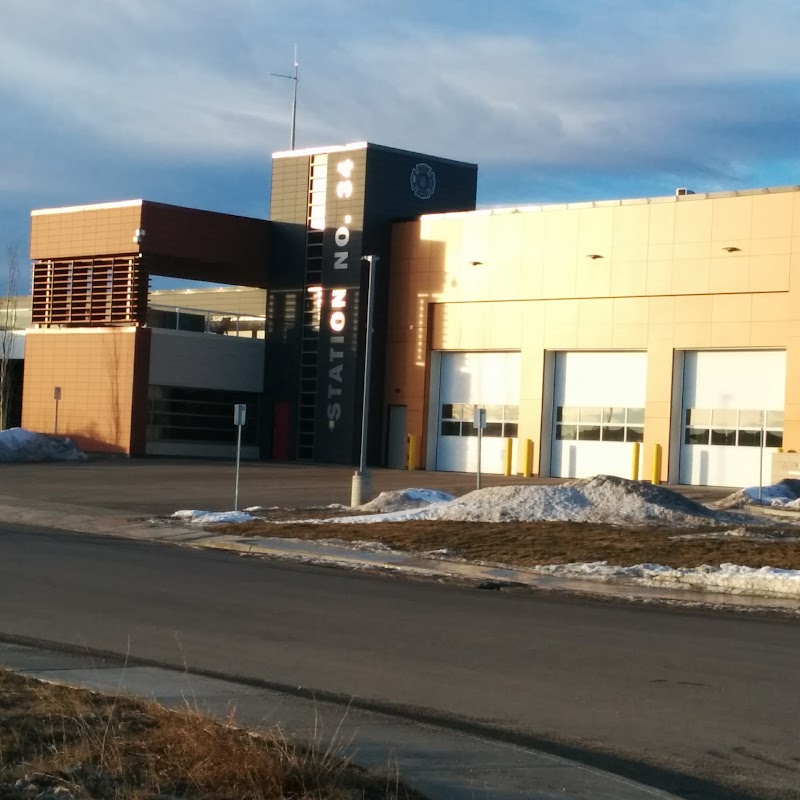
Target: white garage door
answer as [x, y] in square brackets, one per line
[467, 381]
[732, 404]
[598, 413]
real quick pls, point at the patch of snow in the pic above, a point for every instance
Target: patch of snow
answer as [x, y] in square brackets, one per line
[196, 517]
[730, 578]
[601, 499]
[403, 499]
[18, 445]
[373, 547]
[763, 534]
[329, 507]
[784, 494]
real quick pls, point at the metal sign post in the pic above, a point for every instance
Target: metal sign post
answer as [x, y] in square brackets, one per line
[239, 419]
[479, 422]
[56, 397]
[761, 460]
[361, 485]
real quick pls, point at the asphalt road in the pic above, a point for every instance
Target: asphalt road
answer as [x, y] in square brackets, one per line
[701, 704]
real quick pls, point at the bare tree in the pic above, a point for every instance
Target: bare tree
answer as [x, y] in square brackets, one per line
[8, 324]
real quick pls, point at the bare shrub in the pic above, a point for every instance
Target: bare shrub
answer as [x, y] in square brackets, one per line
[61, 744]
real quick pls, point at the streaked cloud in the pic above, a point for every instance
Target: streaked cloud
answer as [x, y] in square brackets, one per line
[112, 98]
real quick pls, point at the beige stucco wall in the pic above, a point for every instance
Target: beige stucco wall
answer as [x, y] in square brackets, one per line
[666, 280]
[95, 370]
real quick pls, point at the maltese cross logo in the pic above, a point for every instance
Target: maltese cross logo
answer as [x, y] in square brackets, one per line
[423, 181]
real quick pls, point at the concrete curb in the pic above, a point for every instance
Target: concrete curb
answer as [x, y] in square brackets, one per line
[490, 576]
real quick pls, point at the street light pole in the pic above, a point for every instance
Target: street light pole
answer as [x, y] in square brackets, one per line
[361, 479]
[296, 80]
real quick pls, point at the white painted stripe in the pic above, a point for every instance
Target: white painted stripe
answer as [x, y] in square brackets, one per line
[38, 212]
[312, 151]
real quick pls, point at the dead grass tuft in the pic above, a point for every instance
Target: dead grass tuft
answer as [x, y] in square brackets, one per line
[535, 543]
[58, 743]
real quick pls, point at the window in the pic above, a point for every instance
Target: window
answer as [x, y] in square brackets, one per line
[501, 421]
[727, 427]
[599, 423]
[179, 414]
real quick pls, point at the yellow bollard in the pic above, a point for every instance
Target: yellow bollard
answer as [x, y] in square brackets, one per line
[635, 462]
[412, 451]
[528, 469]
[656, 464]
[509, 455]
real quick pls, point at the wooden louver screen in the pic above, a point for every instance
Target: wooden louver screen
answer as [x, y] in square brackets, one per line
[89, 292]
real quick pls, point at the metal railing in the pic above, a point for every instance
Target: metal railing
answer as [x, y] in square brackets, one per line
[198, 320]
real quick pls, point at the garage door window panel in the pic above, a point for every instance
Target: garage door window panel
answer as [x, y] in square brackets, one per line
[567, 414]
[589, 424]
[567, 432]
[457, 420]
[494, 421]
[723, 427]
[749, 438]
[634, 434]
[613, 424]
[596, 424]
[728, 427]
[614, 433]
[589, 433]
[723, 438]
[774, 429]
[697, 436]
[774, 438]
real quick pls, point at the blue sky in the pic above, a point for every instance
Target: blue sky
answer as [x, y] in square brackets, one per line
[172, 100]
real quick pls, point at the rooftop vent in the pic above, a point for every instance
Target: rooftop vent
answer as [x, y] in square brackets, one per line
[683, 191]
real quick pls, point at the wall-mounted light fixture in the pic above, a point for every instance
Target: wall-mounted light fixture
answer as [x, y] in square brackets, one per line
[732, 249]
[594, 256]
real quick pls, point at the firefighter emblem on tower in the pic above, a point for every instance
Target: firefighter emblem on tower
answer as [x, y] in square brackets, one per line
[423, 181]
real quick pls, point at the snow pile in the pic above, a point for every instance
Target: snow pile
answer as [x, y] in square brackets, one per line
[195, 517]
[729, 578]
[784, 494]
[404, 499]
[601, 499]
[18, 445]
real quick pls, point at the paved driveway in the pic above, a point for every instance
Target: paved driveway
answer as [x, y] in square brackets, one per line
[159, 486]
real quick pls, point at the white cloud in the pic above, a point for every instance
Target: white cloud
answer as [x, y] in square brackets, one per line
[613, 85]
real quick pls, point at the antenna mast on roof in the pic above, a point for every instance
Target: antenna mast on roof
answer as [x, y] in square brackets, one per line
[296, 80]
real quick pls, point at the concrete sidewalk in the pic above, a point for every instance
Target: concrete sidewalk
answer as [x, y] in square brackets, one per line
[440, 763]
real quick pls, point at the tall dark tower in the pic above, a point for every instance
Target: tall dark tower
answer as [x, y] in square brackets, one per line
[330, 207]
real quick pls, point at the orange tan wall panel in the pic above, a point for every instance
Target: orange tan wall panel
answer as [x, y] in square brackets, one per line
[94, 230]
[95, 371]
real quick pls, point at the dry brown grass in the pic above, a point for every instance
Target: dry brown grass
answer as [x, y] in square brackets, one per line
[58, 743]
[533, 543]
